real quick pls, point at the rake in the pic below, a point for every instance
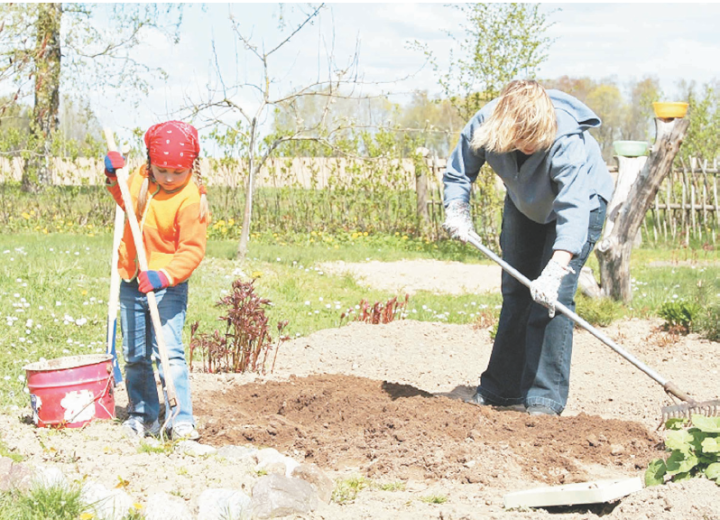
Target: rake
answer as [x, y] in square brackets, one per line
[685, 409]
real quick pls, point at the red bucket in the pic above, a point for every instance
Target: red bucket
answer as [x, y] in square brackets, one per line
[69, 392]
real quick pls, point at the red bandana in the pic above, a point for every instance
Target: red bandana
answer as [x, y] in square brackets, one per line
[172, 144]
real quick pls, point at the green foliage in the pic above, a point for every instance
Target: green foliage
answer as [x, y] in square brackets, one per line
[694, 451]
[43, 503]
[680, 315]
[598, 311]
[392, 486]
[5, 452]
[347, 490]
[499, 43]
[434, 499]
[703, 136]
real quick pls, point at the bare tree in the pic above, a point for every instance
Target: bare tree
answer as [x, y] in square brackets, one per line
[242, 124]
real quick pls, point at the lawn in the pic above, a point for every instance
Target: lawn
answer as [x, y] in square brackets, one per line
[54, 289]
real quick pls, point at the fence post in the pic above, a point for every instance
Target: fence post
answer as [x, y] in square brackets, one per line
[421, 189]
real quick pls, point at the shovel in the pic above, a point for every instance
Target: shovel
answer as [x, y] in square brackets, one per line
[122, 179]
[115, 294]
[688, 406]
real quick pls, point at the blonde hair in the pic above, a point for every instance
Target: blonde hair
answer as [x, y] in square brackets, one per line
[143, 195]
[524, 114]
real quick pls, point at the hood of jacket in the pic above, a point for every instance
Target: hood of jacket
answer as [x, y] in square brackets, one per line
[572, 115]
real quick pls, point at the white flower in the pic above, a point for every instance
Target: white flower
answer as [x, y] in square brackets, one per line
[307, 302]
[80, 322]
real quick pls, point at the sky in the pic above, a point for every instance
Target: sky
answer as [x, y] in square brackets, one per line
[670, 41]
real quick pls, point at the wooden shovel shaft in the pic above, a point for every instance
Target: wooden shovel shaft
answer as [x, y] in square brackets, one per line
[669, 387]
[122, 179]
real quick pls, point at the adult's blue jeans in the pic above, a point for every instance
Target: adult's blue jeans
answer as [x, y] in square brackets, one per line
[140, 349]
[530, 360]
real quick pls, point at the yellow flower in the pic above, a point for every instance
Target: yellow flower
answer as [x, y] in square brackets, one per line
[231, 222]
[365, 233]
[87, 516]
[32, 212]
[25, 215]
[84, 293]
[45, 231]
[256, 274]
[404, 237]
[312, 233]
[138, 506]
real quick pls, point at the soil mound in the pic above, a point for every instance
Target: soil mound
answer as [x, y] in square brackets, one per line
[397, 431]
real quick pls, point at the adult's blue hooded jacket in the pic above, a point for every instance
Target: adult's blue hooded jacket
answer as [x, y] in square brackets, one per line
[560, 184]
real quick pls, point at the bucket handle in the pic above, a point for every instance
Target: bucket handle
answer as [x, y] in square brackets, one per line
[98, 396]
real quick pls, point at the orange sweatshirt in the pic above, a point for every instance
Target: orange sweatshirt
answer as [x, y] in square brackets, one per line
[173, 235]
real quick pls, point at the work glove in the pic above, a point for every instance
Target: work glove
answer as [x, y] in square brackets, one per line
[544, 289]
[152, 281]
[458, 222]
[113, 161]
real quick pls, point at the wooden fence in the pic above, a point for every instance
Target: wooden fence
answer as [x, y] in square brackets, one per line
[687, 204]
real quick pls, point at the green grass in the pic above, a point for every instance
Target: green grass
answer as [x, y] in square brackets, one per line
[347, 490]
[434, 499]
[41, 503]
[54, 289]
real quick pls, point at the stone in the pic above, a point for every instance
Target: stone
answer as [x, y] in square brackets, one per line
[106, 504]
[14, 475]
[195, 449]
[162, 506]
[276, 495]
[223, 504]
[49, 476]
[312, 474]
[237, 453]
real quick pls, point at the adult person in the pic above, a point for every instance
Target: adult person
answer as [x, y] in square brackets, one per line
[558, 187]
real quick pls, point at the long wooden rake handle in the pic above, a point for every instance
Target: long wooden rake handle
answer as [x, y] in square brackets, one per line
[669, 386]
[122, 179]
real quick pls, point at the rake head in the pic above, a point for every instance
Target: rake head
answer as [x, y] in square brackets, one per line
[686, 410]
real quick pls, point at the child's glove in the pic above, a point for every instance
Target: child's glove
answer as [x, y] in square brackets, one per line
[152, 281]
[458, 222]
[113, 161]
[544, 289]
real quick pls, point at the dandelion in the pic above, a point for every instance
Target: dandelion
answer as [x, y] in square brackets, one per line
[307, 302]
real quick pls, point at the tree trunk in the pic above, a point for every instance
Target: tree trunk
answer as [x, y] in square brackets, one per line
[247, 215]
[631, 201]
[47, 95]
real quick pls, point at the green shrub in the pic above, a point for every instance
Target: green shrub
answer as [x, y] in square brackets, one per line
[694, 452]
[598, 311]
[680, 315]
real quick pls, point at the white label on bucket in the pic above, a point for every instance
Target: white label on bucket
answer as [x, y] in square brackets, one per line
[79, 406]
[36, 404]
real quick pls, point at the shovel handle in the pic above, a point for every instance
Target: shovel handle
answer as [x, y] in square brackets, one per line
[669, 386]
[122, 179]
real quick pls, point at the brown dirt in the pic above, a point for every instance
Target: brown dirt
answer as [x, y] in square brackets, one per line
[385, 401]
[397, 431]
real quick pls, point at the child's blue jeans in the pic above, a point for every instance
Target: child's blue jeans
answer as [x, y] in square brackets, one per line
[138, 333]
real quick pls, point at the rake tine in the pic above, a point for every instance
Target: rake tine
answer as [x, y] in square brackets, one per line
[686, 410]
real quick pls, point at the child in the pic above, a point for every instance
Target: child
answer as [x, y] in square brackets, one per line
[558, 187]
[172, 211]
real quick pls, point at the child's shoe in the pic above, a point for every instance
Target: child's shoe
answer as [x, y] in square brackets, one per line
[184, 431]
